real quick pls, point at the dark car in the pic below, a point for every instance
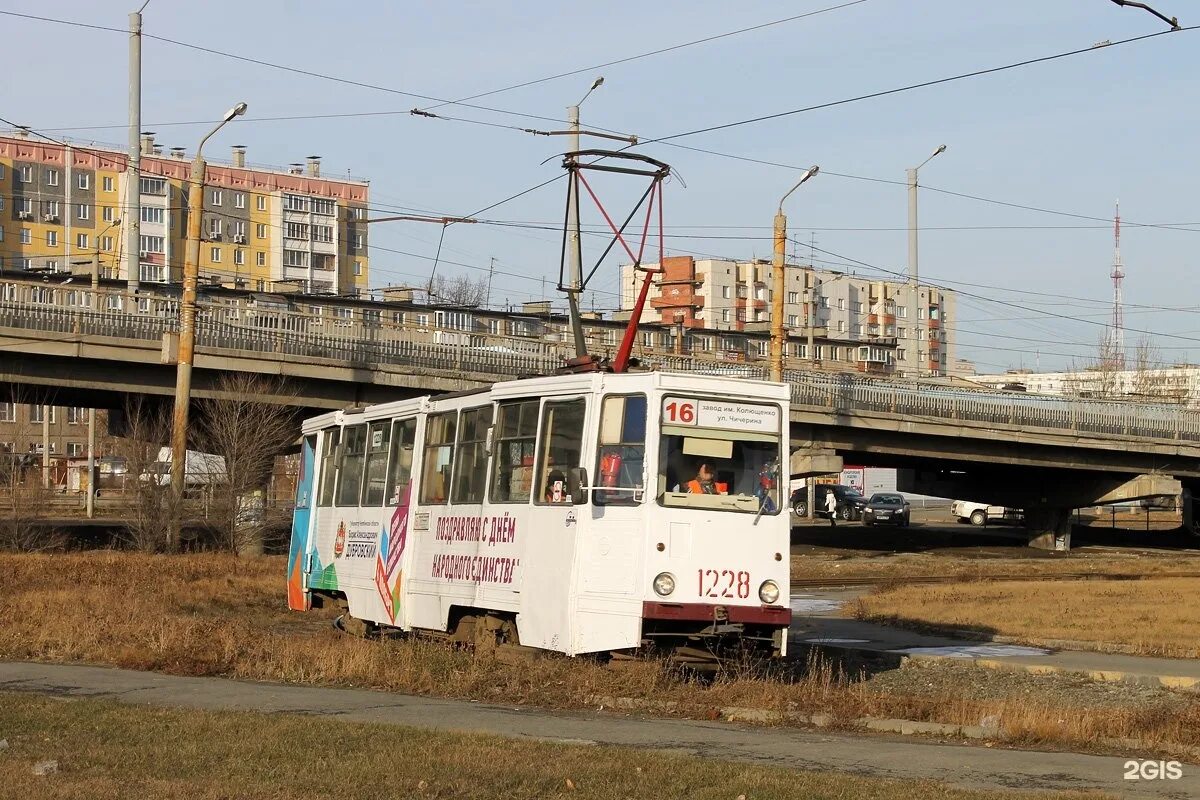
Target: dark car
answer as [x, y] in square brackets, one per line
[849, 502]
[887, 509]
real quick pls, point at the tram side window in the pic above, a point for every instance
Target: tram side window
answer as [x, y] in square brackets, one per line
[375, 477]
[560, 449]
[438, 455]
[512, 465]
[329, 465]
[404, 432]
[350, 470]
[470, 458]
[622, 451]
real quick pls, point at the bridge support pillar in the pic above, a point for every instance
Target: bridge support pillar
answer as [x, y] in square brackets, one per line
[1049, 527]
[1191, 497]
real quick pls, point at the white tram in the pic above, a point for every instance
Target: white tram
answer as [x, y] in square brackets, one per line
[438, 513]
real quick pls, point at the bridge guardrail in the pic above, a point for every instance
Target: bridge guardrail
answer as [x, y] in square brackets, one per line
[220, 330]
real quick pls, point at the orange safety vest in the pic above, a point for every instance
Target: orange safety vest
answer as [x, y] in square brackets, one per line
[695, 488]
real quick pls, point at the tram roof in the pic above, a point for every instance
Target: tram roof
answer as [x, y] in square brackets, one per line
[594, 382]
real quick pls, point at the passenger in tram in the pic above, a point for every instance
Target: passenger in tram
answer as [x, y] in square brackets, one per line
[556, 487]
[706, 481]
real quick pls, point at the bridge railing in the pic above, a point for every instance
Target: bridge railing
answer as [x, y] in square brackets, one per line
[848, 394]
[235, 329]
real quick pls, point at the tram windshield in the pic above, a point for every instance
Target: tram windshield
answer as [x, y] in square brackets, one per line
[719, 455]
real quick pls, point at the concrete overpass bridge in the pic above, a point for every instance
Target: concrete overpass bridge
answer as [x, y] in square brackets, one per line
[1045, 454]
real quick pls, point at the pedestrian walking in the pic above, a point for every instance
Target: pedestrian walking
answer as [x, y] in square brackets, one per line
[831, 507]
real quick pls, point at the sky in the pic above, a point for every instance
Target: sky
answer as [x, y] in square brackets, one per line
[1070, 135]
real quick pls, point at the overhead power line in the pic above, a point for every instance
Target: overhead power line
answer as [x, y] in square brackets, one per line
[910, 87]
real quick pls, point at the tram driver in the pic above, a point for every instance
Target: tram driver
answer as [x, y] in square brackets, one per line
[706, 481]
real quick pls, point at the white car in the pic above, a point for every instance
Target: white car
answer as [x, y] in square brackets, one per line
[981, 513]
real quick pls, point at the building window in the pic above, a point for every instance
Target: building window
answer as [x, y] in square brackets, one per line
[8, 412]
[153, 186]
[323, 206]
[74, 449]
[841, 304]
[322, 233]
[1, 234]
[239, 229]
[920, 313]
[106, 213]
[214, 228]
[359, 241]
[239, 200]
[84, 181]
[52, 238]
[793, 320]
[151, 214]
[106, 184]
[215, 255]
[295, 230]
[25, 206]
[360, 213]
[295, 258]
[841, 326]
[358, 268]
[52, 177]
[295, 202]
[902, 312]
[51, 207]
[52, 265]
[81, 241]
[239, 256]
[216, 197]
[26, 175]
[793, 297]
[76, 415]
[725, 315]
[260, 285]
[151, 244]
[261, 201]
[38, 414]
[260, 258]
[106, 243]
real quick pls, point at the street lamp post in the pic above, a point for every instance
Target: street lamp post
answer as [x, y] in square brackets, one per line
[95, 304]
[779, 282]
[913, 273]
[187, 327]
[574, 245]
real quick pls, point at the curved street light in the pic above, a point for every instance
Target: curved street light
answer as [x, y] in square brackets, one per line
[187, 325]
[779, 281]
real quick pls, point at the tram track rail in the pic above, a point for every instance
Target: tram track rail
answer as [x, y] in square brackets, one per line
[876, 580]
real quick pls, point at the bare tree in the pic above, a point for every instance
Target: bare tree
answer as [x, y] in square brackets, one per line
[25, 500]
[146, 491]
[459, 290]
[248, 433]
[1151, 379]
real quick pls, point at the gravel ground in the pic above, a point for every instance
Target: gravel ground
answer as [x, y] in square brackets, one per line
[918, 677]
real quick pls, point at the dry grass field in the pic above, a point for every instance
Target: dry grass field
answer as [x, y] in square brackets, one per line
[217, 615]
[1154, 617]
[106, 750]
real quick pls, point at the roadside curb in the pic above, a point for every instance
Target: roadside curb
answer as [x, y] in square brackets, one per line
[903, 727]
[1180, 683]
[1053, 644]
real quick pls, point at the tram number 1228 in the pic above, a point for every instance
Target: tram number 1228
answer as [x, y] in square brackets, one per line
[723, 583]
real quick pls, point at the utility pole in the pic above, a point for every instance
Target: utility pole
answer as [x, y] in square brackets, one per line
[133, 179]
[914, 301]
[812, 320]
[46, 410]
[487, 299]
[779, 282]
[187, 330]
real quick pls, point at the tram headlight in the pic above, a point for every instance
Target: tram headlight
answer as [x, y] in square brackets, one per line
[768, 592]
[664, 584]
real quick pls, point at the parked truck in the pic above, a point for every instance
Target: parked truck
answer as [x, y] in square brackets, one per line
[981, 513]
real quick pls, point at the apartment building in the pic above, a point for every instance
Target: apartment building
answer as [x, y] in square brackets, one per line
[862, 323]
[25, 428]
[1174, 385]
[61, 209]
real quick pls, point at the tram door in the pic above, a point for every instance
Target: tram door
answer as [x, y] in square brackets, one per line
[609, 564]
[298, 597]
[552, 532]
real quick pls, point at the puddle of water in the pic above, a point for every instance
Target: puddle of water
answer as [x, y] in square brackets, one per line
[807, 604]
[833, 640]
[974, 651]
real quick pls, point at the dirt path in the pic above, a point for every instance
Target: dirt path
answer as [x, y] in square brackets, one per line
[969, 767]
